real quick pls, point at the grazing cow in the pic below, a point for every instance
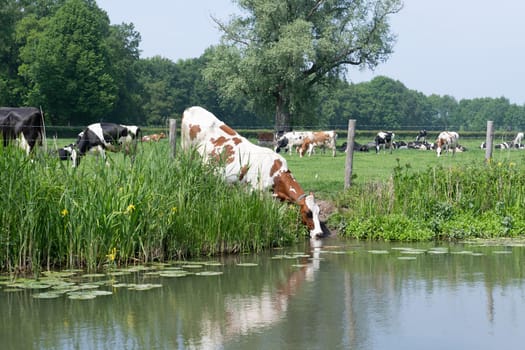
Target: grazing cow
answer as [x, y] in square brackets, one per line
[447, 140]
[325, 139]
[153, 137]
[100, 137]
[242, 161]
[25, 124]
[291, 139]
[422, 136]
[384, 139]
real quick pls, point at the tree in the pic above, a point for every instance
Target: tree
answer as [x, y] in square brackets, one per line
[70, 66]
[282, 49]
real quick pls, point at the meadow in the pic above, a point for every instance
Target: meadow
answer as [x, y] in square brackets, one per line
[159, 208]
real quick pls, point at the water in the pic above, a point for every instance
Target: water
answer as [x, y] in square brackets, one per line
[343, 295]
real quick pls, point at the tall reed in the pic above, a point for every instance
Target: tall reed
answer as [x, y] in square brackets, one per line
[470, 200]
[155, 208]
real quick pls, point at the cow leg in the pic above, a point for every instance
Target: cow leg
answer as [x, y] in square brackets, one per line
[310, 149]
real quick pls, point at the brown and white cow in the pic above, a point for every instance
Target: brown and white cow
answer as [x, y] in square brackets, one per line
[323, 139]
[259, 167]
[445, 141]
[153, 137]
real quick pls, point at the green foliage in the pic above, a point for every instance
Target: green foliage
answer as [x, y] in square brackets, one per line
[54, 215]
[453, 202]
[282, 49]
[70, 66]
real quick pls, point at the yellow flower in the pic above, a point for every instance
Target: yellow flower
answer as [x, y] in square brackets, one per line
[511, 164]
[130, 209]
[174, 210]
[64, 212]
[112, 255]
[500, 164]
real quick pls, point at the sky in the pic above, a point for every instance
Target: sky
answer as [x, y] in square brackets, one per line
[461, 48]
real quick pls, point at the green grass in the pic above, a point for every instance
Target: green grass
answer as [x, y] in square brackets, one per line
[157, 208]
[162, 208]
[324, 174]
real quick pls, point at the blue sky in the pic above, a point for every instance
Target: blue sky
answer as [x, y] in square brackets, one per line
[462, 48]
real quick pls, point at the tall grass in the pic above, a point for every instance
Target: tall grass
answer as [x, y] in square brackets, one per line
[157, 208]
[475, 199]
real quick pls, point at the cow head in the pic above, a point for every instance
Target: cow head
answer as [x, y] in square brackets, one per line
[310, 215]
[282, 142]
[286, 188]
[69, 152]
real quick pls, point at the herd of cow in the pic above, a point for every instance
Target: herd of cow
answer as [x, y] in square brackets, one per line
[305, 142]
[259, 167]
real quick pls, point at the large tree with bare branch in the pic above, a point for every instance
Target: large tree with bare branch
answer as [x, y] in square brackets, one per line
[278, 51]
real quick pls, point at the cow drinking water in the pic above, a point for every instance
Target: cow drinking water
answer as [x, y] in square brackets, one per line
[244, 162]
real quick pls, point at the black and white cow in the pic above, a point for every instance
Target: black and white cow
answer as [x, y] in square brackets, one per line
[422, 136]
[100, 137]
[384, 139]
[24, 124]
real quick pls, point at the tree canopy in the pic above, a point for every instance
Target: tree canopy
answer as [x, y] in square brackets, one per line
[282, 49]
[64, 56]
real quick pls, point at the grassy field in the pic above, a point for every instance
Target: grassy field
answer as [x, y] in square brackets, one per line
[324, 174]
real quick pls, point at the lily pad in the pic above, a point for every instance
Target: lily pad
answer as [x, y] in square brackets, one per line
[93, 275]
[141, 287]
[47, 295]
[378, 251]
[247, 264]
[174, 273]
[209, 273]
[192, 266]
[82, 295]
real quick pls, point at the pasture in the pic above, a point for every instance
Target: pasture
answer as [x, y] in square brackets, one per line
[161, 208]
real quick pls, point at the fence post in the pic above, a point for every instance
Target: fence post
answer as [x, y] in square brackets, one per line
[349, 153]
[173, 137]
[488, 141]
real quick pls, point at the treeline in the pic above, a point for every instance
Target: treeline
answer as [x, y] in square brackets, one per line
[64, 56]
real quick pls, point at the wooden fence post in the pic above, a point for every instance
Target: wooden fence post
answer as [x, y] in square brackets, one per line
[173, 137]
[488, 141]
[349, 153]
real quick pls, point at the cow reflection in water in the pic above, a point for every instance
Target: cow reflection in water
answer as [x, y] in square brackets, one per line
[247, 314]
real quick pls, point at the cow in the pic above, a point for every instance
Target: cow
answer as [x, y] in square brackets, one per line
[324, 139]
[98, 138]
[291, 140]
[153, 137]
[357, 147]
[384, 139]
[25, 124]
[447, 140]
[420, 145]
[241, 161]
[266, 139]
[421, 136]
[517, 140]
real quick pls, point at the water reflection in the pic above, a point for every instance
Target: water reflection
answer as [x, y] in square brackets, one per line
[321, 294]
[247, 314]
